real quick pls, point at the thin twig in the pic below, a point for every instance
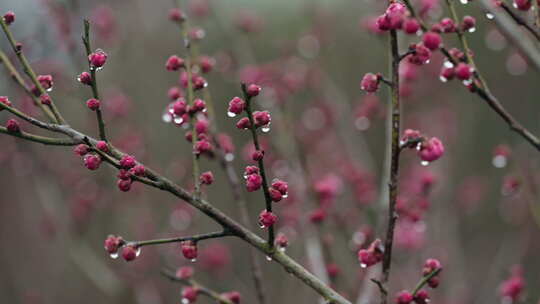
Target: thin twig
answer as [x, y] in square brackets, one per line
[201, 288]
[519, 20]
[40, 139]
[194, 238]
[425, 280]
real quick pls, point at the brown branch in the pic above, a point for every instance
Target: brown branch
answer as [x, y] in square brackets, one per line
[519, 20]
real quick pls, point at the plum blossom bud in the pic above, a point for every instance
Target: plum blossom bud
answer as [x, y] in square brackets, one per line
[431, 265]
[113, 243]
[102, 146]
[317, 216]
[382, 23]
[197, 34]
[233, 296]
[92, 161]
[179, 106]
[127, 162]
[432, 40]
[253, 182]
[512, 288]
[275, 195]
[411, 26]
[251, 170]
[138, 170]
[9, 17]
[97, 59]
[421, 297]
[201, 126]
[523, 5]
[448, 25]
[189, 250]
[190, 293]
[185, 272]
[468, 23]
[281, 240]
[372, 255]
[404, 297]
[203, 146]
[243, 123]
[463, 71]
[174, 93]
[206, 63]
[261, 118]
[370, 83]
[176, 15]
[13, 126]
[281, 186]
[207, 178]
[421, 54]
[395, 14]
[45, 99]
[85, 78]
[81, 149]
[174, 63]
[4, 100]
[199, 82]
[198, 105]
[93, 104]
[236, 106]
[267, 219]
[124, 185]
[431, 150]
[123, 174]
[257, 155]
[447, 73]
[253, 90]
[46, 81]
[129, 253]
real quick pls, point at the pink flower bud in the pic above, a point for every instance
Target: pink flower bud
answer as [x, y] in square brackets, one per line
[237, 105]
[430, 265]
[421, 297]
[138, 170]
[281, 186]
[203, 146]
[174, 93]
[174, 63]
[4, 100]
[46, 81]
[448, 25]
[370, 83]
[207, 178]
[197, 34]
[185, 272]
[129, 253]
[317, 216]
[257, 155]
[113, 243]
[421, 54]
[372, 255]
[267, 219]
[261, 118]
[124, 174]
[127, 162]
[81, 149]
[411, 26]
[253, 182]
[179, 107]
[251, 170]
[281, 240]
[198, 105]
[190, 293]
[523, 5]
[102, 146]
[201, 126]
[45, 99]
[383, 23]
[447, 73]
[275, 195]
[253, 90]
[463, 71]
[175, 14]
[206, 63]
[431, 150]
[13, 126]
[404, 297]
[233, 296]
[9, 17]
[432, 40]
[85, 78]
[124, 184]
[93, 104]
[243, 123]
[468, 23]
[97, 59]
[92, 161]
[189, 250]
[199, 82]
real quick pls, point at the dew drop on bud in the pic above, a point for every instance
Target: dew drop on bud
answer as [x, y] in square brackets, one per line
[499, 161]
[114, 255]
[285, 195]
[229, 157]
[231, 114]
[178, 120]
[49, 89]
[185, 301]
[490, 16]
[265, 129]
[464, 1]
[138, 251]
[363, 265]
[166, 117]
[424, 163]
[281, 249]
[261, 226]
[268, 258]
[443, 79]
[472, 30]
[448, 64]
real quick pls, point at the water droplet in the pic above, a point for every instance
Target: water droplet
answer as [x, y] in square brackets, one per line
[114, 255]
[448, 64]
[427, 61]
[262, 226]
[178, 120]
[229, 157]
[443, 79]
[472, 30]
[49, 89]
[265, 129]
[282, 249]
[424, 163]
[193, 260]
[285, 195]
[467, 82]
[185, 301]
[268, 258]
[363, 88]
[499, 161]
[231, 114]
[166, 117]
[362, 123]
[363, 265]
[490, 16]
[138, 251]
[464, 1]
